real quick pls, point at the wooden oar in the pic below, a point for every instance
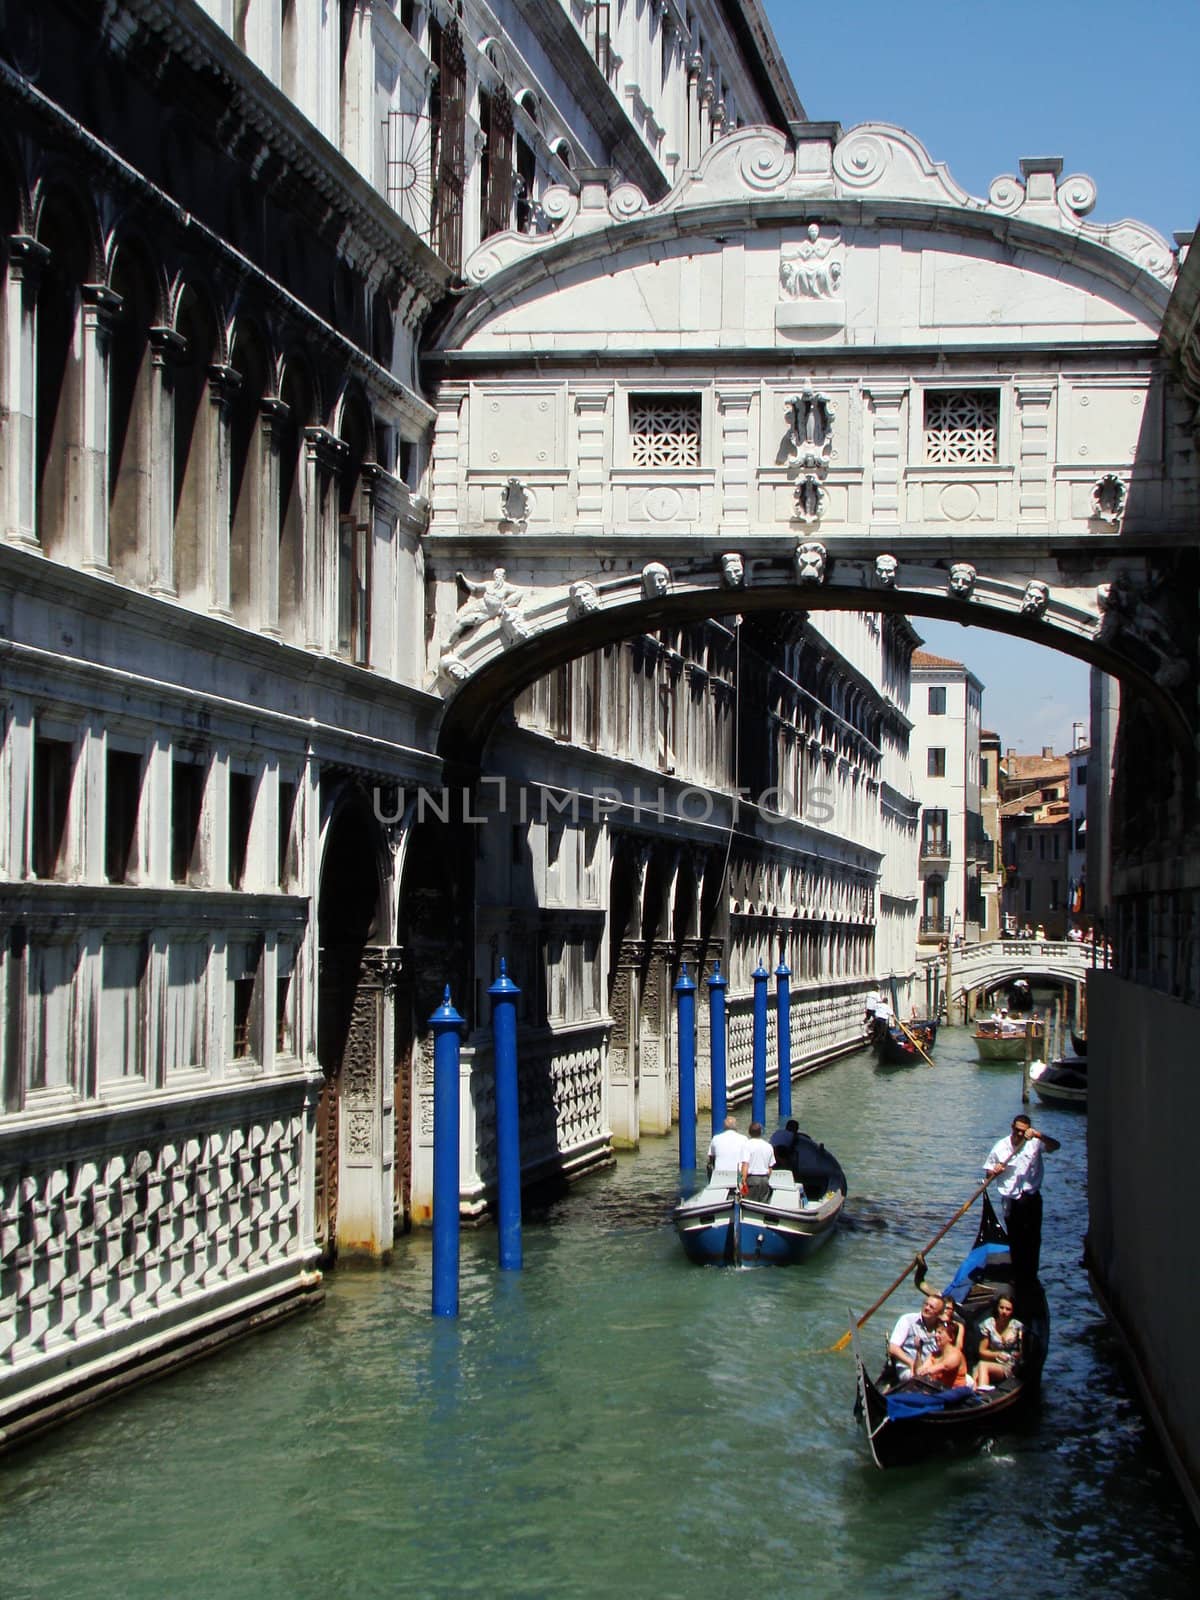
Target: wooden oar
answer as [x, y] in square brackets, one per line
[941, 1234]
[913, 1040]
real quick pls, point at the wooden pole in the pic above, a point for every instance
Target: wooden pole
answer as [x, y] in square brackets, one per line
[1030, 1026]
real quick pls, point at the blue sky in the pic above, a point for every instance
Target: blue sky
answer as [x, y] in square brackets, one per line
[1109, 87]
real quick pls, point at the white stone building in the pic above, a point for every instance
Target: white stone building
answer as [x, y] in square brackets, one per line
[946, 704]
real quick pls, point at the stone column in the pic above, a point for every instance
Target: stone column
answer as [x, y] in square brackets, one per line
[87, 470]
[223, 384]
[324, 456]
[264, 567]
[366, 1125]
[622, 1062]
[733, 407]
[166, 348]
[18, 460]
[1034, 401]
[887, 451]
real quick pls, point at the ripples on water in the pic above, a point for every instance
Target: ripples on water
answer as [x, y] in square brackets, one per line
[614, 1421]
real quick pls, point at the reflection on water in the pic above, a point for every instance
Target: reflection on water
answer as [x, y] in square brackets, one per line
[613, 1420]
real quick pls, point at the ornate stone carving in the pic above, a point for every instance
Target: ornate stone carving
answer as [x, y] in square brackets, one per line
[515, 506]
[809, 270]
[810, 430]
[656, 580]
[810, 560]
[489, 600]
[962, 579]
[583, 599]
[1108, 499]
[810, 498]
[733, 570]
[451, 669]
[886, 570]
[1035, 599]
[1131, 620]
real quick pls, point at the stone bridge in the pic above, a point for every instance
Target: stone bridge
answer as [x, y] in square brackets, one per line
[977, 968]
[818, 374]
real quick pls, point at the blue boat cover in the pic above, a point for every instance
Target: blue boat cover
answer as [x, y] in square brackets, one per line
[910, 1401]
[972, 1268]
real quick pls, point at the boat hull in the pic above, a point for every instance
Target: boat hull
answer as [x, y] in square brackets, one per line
[721, 1227]
[1060, 1084]
[1010, 1049]
[772, 1238]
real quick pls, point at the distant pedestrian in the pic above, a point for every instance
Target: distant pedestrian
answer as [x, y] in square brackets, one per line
[758, 1157]
[726, 1149]
[1016, 1163]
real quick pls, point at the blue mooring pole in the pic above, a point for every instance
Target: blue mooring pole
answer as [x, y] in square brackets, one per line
[758, 1097]
[504, 993]
[685, 996]
[783, 1004]
[447, 1044]
[717, 986]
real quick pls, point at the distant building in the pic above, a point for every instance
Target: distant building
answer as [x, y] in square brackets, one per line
[992, 870]
[946, 702]
[1036, 830]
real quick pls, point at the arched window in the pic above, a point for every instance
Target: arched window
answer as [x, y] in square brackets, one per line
[130, 420]
[194, 455]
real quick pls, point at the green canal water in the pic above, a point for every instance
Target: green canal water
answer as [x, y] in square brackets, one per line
[615, 1422]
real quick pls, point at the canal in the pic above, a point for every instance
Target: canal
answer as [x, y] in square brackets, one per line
[613, 1421]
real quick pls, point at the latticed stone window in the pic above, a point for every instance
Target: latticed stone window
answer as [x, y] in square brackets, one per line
[664, 430]
[962, 425]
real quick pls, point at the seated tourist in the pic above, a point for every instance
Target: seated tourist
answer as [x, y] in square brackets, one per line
[950, 1316]
[914, 1337]
[947, 1366]
[999, 1345]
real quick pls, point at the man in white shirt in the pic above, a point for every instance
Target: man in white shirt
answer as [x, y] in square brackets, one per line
[726, 1149]
[915, 1336]
[757, 1160]
[1016, 1163]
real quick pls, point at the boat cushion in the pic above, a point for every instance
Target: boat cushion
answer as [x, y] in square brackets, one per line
[912, 1401]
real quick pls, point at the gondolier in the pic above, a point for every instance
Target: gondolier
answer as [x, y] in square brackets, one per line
[1016, 1163]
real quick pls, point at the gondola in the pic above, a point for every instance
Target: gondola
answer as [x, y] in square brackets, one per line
[896, 1046]
[1079, 1043]
[1062, 1082]
[909, 1422]
[719, 1226]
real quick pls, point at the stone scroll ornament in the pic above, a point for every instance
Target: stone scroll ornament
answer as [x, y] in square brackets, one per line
[1131, 620]
[810, 430]
[515, 505]
[811, 562]
[1108, 499]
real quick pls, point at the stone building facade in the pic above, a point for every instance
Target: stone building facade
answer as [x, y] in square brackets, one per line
[948, 702]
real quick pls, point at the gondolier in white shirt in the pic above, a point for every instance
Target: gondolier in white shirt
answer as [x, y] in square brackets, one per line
[726, 1150]
[1016, 1163]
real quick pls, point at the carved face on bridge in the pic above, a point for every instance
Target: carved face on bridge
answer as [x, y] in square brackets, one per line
[810, 562]
[656, 580]
[733, 571]
[886, 568]
[583, 598]
[962, 579]
[1035, 599]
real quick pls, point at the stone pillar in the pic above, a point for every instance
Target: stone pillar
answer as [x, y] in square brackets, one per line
[592, 456]
[18, 443]
[366, 1124]
[166, 348]
[445, 467]
[1033, 451]
[264, 560]
[622, 1055]
[223, 384]
[733, 407]
[324, 456]
[87, 469]
[887, 451]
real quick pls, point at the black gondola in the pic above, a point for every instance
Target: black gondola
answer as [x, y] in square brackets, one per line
[896, 1046]
[908, 1422]
[1079, 1043]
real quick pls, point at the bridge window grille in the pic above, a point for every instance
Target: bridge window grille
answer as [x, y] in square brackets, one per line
[496, 162]
[962, 426]
[664, 430]
[448, 114]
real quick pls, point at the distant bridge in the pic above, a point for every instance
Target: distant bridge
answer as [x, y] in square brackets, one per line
[977, 968]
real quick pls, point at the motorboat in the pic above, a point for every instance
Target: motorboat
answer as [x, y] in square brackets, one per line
[719, 1226]
[911, 1420]
[1002, 1038]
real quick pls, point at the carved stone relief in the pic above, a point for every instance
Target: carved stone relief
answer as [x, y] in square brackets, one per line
[810, 561]
[962, 579]
[810, 270]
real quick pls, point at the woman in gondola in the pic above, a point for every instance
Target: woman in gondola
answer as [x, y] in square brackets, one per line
[954, 1323]
[999, 1344]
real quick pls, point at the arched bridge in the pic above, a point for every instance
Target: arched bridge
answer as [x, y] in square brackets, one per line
[977, 968]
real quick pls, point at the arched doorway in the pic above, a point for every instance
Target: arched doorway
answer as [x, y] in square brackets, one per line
[354, 1201]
